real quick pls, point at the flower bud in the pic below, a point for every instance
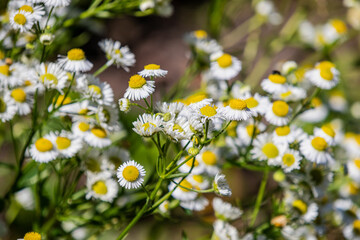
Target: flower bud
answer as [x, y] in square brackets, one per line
[46, 38]
[193, 151]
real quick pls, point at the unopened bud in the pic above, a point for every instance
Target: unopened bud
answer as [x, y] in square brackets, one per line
[279, 221]
[193, 151]
[46, 38]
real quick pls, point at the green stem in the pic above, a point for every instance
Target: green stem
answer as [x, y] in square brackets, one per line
[260, 196]
[100, 70]
[13, 141]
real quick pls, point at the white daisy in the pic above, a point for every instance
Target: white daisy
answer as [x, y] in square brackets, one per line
[337, 101]
[108, 117]
[182, 191]
[224, 66]
[99, 92]
[152, 70]
[101, 186]
[197, 204]
[178, 129]
[291, 94]
[278, 113]
[207, 46]
[121, 56]
[195, 36]
[327, 132]
[220, 185]
[56, 3]
[66, 143]
[139, 88]
[97, 137]
[324, 75]
[209, 158]
[21, 100]
[237, 110]
[315, 149]
[49, 76]
[274, 84]
[307, 212]
[266, 149]
[131, 174]
[191, 164]
[334, 30]
[36, 12]
[75, 61]
[174, 107]
[353, 167]
[224, 231]
[225, 211]
[7, 108]
[21, 20]
[206, 112]
[31, 236]
[290, 160]
[43, 150]
[352, 231]
[245, 132]
[147, 125]
[257, 104]
[198, 181]
[316, 114]
[285, 134]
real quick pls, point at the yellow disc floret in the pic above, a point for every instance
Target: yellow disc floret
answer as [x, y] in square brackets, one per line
[100, 188]
[300, 205]
[43, 145]
[137, 81]
[238, 104]
[200, 34]
[195, 98]
[316, 102]
[209, 158]
[63, 143]
[49, 77]
[198, 178]
[61, 100]
[288, 159]
[99, 132]
[250, 130]
[130, 173]
[146, 126]
[319, 143]
[225, 60]
[282, 131]
[185, 184]
[4, 70]
[32, 236]
[19, 95]
[328, 130]
[325, 70]
[356, 225]
[76, 54]
[83, 126]
[357, 162]
[192, 162]
[280, 108]
[95, 89]
[251, 102]
[208, 111]
[152, 67]
[339, 26]
[270, 150]
[276, 78]
[20, 19]
[26, 8]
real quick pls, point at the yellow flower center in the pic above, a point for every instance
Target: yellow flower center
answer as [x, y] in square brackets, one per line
[339, 26]
[84, 126]
[27, 8]
[357, 162]
[251, 102]
[178, 128]
[118, 52]
[137, 81]
[316, 102]
[49, 77]
[319, 143]
[100, 188]
[356, 226]
[83, 111]
[300, 205]
[130, 173]
[99, 132]
[152, 67]
[237, 104]
[250, 130]
[288, 159]
[285, 94]
[325, 70]
[208, 110]
[185, 184]
[32, 236]
[280, 108]
[270, 150]
[231, 130]
[276, 78]
[353, 188]
[209, 158]
[18, 95]
[195, 98]
[146, 126]
[328, 130]
[60, 100]
[200, 34]
[191, 161]
[76, 54]
[4, 70]
[62, 143]
[20, 19]
[198, 178]
[43, 145]
[95, 89]
[2, 105]
[225, 60]
[282, 131]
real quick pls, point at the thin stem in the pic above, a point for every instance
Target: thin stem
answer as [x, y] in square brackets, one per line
[100, 70]
[13, 141]
[260, 196]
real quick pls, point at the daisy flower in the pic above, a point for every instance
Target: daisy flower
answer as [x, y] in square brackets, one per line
[81, 129]
[108, 117]
[191, 163]
[207, 46]
[197, 204]
[196, 35]
[209, 159]
[327, 132]
[56, 3]
[182, 191]
[291, 94]
[147, 125]
[285, 134]
[21, 100]
[224, 66]
[198, 181]
[131, 174]
[99, 92]
[257, 104]
[22, 21]
[317, 114]
[353, 167]
[152, 70]
[139, 88]
[352, 231]
[31, 236]
[225, 211]
[224, 231]
[324, 75]
[102, 186]
[337, 101]
[275, 83]
[220, 185]
[50, 76]
[266, 149]
[66, 143]
[206, 112]
[43, 150]
[278, 113]
[237, 110]
[36, 12]
[334, 30]
[124, 105]
[7, 108]
[245, 132]
[121, 56]
[75, 61]
[178, 129]
[307, 212]
[97, 137]
[290, 160]
[174, 107]
[315, 149]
